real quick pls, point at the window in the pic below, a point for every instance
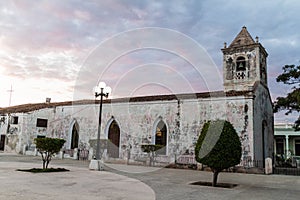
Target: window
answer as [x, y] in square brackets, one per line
[240, 64]
[14, 120]
[297, 147]
[41, 122]
[279, 146]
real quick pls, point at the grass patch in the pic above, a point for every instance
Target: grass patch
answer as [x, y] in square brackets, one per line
[222, 185]
[40, 170]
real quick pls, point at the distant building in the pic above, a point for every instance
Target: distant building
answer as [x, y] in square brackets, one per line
[173, 121]
[287, 140]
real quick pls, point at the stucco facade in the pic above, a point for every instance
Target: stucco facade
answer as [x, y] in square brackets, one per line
[175, 121]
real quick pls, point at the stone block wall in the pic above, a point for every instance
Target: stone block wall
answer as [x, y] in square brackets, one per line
[137, 121]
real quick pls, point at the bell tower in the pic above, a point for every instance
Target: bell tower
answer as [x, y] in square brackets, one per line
[244, 63]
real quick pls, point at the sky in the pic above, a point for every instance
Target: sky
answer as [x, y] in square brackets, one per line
[62, 49]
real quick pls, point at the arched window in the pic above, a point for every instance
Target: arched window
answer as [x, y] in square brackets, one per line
[161, 136]
[240, 64]
[114, 140]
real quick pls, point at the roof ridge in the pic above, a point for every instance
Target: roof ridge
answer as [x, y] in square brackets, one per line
[25, 108]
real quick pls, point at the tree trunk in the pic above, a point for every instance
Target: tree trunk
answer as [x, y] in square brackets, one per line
[48, 159]
[47, 163]
[215, 177]
[44, 162]
[43, 159]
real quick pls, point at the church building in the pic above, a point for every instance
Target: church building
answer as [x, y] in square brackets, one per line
[173, 121]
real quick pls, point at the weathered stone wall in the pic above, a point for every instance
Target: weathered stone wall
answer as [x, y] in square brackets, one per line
[240, 114]
[11, 132]
[263, 124]
[241, 80]
[3, 130]
[137, 121]
[184, 120]
[237, 110]
[66, 116]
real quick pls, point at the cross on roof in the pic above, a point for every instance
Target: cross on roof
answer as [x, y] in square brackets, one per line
[10, 91]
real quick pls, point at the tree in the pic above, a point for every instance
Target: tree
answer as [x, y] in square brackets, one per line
[290, 76]
[151, 149]
[48, 147]
[218, 147]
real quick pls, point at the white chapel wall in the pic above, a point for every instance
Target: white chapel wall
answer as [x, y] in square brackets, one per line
[136, 121]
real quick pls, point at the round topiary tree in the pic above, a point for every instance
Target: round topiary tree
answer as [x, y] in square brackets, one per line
[218, 147]
[48, 147]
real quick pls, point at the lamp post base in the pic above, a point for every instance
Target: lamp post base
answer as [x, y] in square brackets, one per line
[96, 165]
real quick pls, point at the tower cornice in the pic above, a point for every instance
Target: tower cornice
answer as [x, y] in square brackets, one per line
[243, 48]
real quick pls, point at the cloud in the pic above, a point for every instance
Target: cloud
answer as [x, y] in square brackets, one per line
[124, 54]
[51, 40]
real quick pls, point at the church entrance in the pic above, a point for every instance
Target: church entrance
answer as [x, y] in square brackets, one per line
[2, 142]
[114, 140]
[161, 137]
[75, 136]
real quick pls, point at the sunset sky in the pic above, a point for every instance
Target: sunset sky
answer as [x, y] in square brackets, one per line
[61, 49]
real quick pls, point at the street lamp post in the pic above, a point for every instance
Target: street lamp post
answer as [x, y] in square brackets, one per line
[103, 91]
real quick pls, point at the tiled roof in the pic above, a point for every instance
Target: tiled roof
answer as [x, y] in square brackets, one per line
[24, 108]
[37, 106]
[242, 39]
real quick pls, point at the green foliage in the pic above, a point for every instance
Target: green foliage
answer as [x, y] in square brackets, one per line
[48, 147]
[52, 145]
[218, 146]
[290, 76]
[152, 150]
[147, 148]
[290, 103]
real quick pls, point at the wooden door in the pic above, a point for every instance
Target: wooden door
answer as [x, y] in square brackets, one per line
[2, 142]
[114, 140]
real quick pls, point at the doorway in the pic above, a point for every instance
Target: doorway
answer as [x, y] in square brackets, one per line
[114, 140]
[161, 137]
[2, 142]
[75, 136]
[297, 147]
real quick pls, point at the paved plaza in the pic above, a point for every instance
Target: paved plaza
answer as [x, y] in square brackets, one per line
[120, 182]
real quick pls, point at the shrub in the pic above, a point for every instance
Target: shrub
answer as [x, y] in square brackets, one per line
[218, 147]
[152, 149]
[147, 148]
[48, 147]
